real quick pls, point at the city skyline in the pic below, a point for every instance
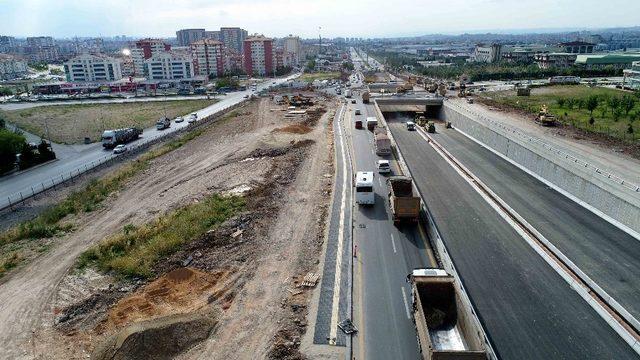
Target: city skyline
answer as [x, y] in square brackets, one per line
[357, 19]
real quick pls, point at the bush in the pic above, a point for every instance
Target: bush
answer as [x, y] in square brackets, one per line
[10, 144]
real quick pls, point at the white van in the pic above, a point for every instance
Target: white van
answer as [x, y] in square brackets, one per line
[384, 167]
[364, 188]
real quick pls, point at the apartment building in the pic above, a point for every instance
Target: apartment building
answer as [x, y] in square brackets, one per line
[92, 67]
[37, 41]
[487, 53]
[214, 35]
[11, 67]
[293, 49]
[187, 36]
[7, 43]
[258, 55]
[145, 49]
[169, 65]
[208, 57]
[233, 38]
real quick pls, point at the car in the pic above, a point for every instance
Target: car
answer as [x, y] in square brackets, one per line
[246, 96]
[357, 112]
[384, 167]
[192, 119]
[120, 149]
[353, 101]
[179, 119]
[411, 126]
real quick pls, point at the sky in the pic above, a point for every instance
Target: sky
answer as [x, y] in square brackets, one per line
[330, 18]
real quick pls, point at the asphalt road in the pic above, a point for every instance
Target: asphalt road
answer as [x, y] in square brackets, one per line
[81, 155]
[526, 308]
[608, 255]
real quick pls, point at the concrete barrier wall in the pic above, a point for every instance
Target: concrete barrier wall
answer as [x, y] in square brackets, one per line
[616, 202]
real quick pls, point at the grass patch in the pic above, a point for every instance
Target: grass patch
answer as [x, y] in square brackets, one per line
[311, 77]
[70, 124]
[133, 252]
[569, 105]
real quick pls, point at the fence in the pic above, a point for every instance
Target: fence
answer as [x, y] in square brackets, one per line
[107, 160]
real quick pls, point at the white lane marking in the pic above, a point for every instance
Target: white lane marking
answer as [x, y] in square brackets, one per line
[338, 272]
[380, 182]
[406, 303]
[393, 243]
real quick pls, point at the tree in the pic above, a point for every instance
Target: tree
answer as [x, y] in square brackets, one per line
[591, 104]
[561, 102]
[10, 144]
[630, 129]
[27, 157]
[311, 65]
[617, 113]
[614, 103]
[45, 152]
[591, 121]
[5, 91]
[628, 103]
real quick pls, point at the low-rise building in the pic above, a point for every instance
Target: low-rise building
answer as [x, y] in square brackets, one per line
[576, 47]
[600, 61]
[11, 67]
[93, 68]
[169, 65]
[555, 60]
[632, 76]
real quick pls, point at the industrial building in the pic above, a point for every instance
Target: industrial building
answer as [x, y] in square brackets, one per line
[599, 61]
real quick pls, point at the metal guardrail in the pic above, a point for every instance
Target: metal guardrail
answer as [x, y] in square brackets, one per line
[65, 177]
[557, 152]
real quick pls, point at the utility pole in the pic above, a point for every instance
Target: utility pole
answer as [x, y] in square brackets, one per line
[319, 40]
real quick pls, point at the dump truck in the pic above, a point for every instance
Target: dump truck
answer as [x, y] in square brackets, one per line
[365, 97]
[113, 138]
[444, 329]
[405, 206]
[382, 143]
[372, 122]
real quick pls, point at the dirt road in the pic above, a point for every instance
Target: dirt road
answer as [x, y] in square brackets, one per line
[212, 162]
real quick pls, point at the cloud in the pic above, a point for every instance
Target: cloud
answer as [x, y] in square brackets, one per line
[360, 18]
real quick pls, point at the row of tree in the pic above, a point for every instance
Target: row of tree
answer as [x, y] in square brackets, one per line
[14, 149]
[616, 106]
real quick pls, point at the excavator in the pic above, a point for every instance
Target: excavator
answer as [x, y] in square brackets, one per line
[545, 118]
[297, 100]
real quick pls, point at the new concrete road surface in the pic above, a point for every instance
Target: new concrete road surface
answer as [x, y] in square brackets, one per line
[608, 255]
[528, 311]
[81, 155]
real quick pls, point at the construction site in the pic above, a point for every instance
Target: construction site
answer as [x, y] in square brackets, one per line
[238, 289]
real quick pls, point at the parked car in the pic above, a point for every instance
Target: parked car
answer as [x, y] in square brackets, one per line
[119, 149]
[179, 119]
[383, 166]
[192, 118]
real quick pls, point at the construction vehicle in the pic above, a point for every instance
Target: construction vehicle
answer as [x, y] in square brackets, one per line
[523, 90]
[445, 330]
[404, 88]
[463, 90]
[382, 143]
[431, 127]
[545, 118]
[403, 203]
[112, 138]
[365, 97]
[420, 119]
[297, 100]
[442, 89]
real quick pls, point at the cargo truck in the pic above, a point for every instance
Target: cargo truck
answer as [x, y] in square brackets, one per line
[365, 97]
[444, 329]
[347, 93]
[382, 143]
[112, 138]
[372, 122]
[405, 206]
[163, 123]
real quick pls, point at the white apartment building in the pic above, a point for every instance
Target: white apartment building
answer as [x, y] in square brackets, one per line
[293, 49]
[11, 68]
[92, 67]
[488, 53]
[208, 57]
[143, 50]
[169, 65]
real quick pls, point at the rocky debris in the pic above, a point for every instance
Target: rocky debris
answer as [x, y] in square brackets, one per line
[162, 338]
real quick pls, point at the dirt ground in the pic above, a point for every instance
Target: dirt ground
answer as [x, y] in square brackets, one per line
[244, 268]
[70, 124]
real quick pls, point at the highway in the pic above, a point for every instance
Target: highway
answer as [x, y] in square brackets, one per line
[75, 157]
[526, 308]
[605, 253]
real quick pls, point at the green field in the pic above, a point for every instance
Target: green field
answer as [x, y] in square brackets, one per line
[310, 77]
[615, 112]
[70, 124]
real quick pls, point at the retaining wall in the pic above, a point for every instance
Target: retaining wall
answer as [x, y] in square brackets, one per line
[618, 201]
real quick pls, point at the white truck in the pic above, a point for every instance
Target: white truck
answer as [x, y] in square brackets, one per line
[364, 188]
[372, 122]
[347, 93]
[444, 329]
[112, 138]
